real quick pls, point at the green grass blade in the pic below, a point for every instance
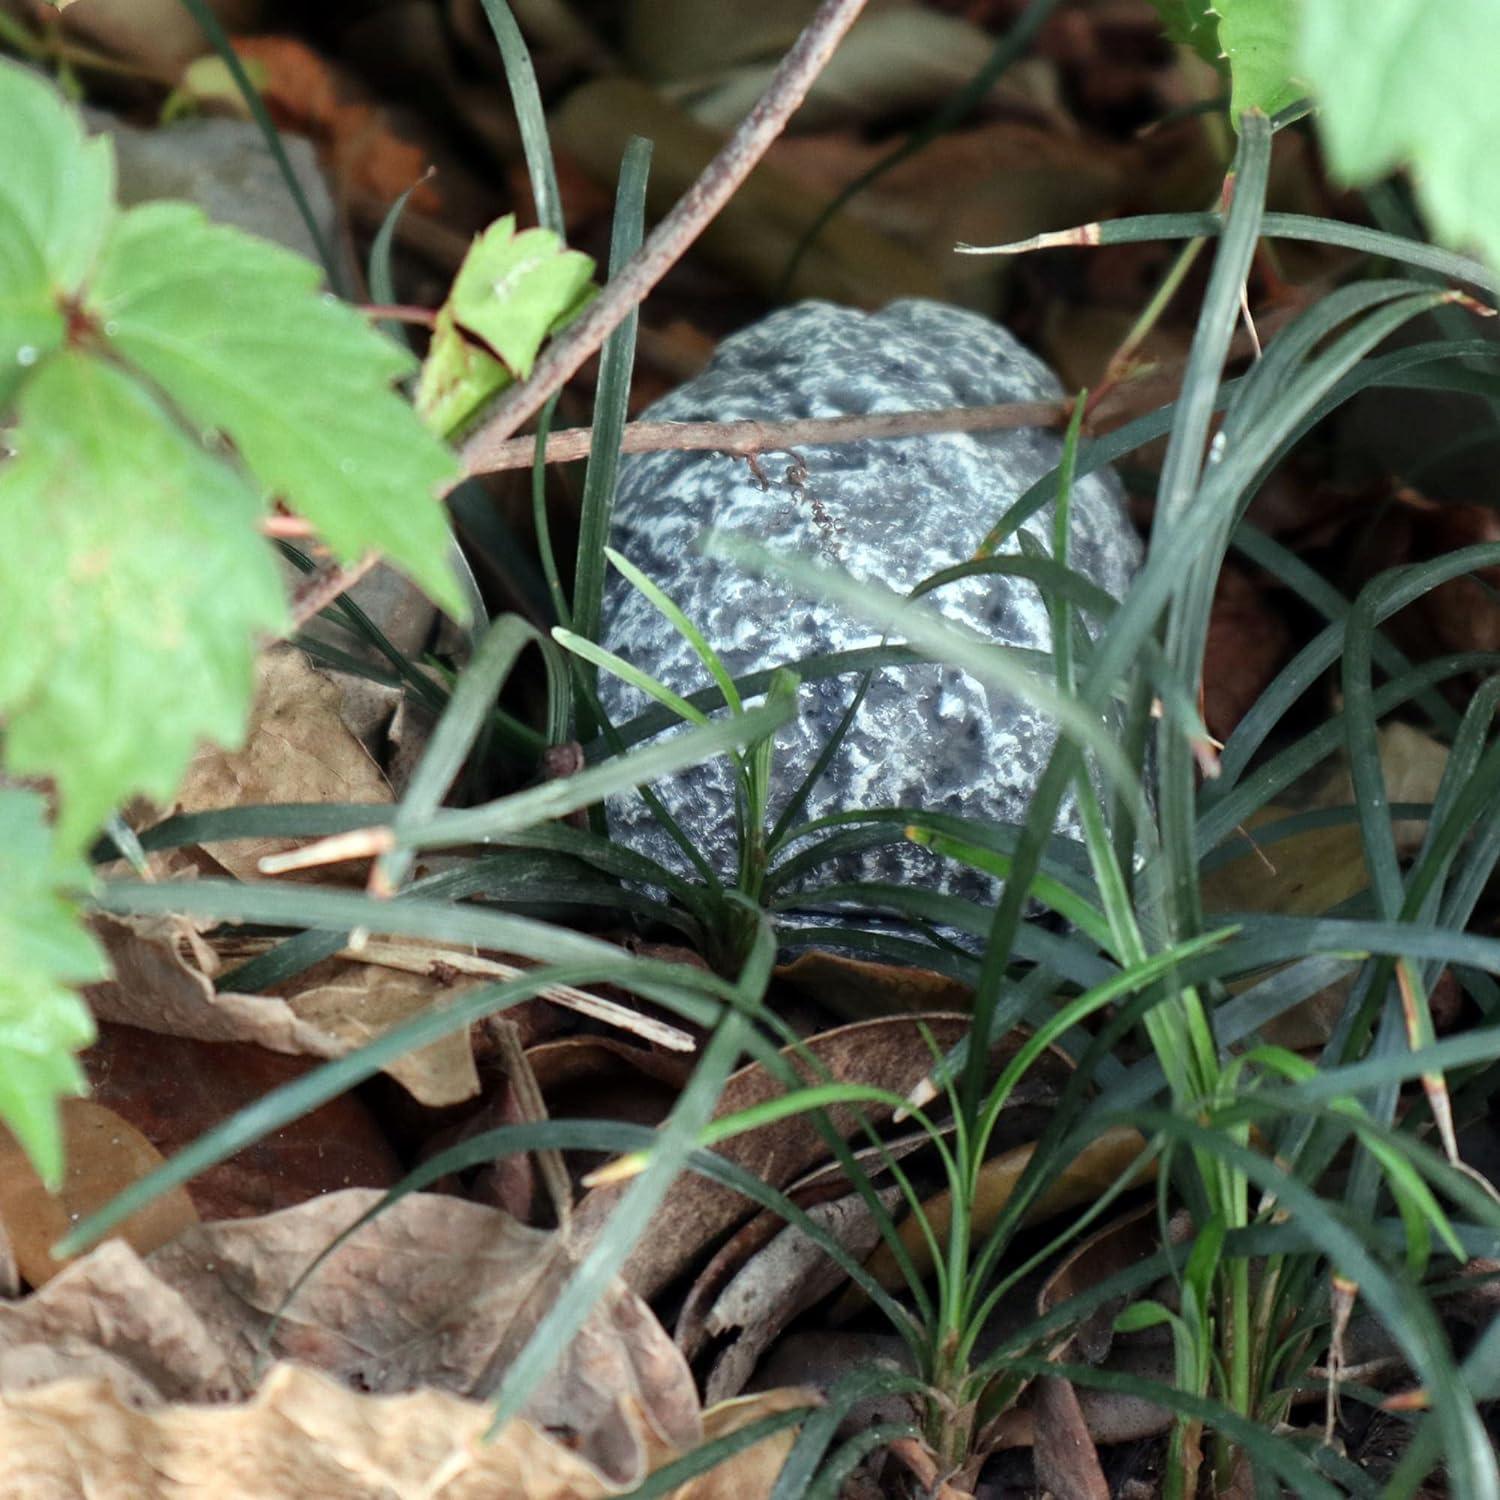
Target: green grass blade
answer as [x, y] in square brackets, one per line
[611, 403]
[209, 24]
[526, 100]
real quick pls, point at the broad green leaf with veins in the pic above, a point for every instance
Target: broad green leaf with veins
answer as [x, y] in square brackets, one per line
[235, 334]
[135, 582]
[56, 202]
[1413, 83]
[43, 951]
[132, 584]
[510, 293]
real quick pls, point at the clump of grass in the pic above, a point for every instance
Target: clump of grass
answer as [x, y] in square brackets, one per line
[1306, 1185]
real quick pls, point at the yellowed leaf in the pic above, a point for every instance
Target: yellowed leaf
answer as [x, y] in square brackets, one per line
[104, 1155]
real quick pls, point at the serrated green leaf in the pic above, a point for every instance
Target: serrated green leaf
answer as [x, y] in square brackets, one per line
[1259, 39]
[132, 584]
[236, 334]
[1413, 83]
[1191, 22]
[513, 289]
[56, 202]
[510, 293]
[44, 949]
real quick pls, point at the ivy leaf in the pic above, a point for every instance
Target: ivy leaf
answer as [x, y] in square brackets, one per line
[43, 951]
[132, 583]
[1259, 38]
[510, 293]
[1413, 83]
[232, 330]
[56, 202]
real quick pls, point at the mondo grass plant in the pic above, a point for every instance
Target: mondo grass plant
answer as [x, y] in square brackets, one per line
[1308, 1188]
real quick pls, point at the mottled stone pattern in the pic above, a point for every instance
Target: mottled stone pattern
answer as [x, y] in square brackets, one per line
[891, 510]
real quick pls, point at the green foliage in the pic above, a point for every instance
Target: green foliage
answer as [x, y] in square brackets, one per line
[510, 293]
[56, 201]
[1252, 39]
[135, 580]
[1257, 37]
[1412, 83]
[43, 951]
[1191, 22]
[131, 589]
[236, 333]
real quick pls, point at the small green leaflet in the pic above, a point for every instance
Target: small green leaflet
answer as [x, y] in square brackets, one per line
[132, 584]
[1413, 83]
[236, 334]
[510, 293]
[43, 951]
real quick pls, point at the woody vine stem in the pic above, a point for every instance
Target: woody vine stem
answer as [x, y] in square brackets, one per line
[664, 247]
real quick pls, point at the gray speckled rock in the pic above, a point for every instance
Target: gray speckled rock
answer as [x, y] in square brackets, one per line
[894, 510]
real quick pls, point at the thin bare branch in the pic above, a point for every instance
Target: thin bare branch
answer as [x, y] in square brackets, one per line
[663, 248]
[671, 238]
[323, 588]
[750, 439]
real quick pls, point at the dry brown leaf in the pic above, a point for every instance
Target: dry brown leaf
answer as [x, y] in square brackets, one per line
[857, 988]
[104, 1155]
[1309, 873]
[109, 1315]
[345, 1004]
[1001, 181]
[1108, 1416]
[890, 1052]
[10, 1272]
[1412, 763]
[306, 93]
[174, 1090]
[1249, 641]
[773, 1286]
[297, 749]
[898, 59]
[303, 1434]
[825, 1188]
[433, 1291]
[1067, 1463]
[1301, 875]
[156, 36]
[164, 981]
[1459, 615]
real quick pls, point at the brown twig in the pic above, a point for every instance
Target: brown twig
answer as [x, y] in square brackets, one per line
[671, 238]
[748, 439]
[323, 588]
[400, 312]
[665, 245]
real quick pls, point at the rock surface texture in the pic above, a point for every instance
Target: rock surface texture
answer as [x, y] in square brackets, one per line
[892, 511]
